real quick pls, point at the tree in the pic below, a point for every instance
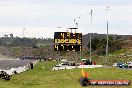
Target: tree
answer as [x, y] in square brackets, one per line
[99, 44]
[11, 35]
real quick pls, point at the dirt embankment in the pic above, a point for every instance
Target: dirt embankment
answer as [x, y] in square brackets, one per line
[2, 57]
[5, 54]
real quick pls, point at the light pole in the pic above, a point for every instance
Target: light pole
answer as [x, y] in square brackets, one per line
[24, 48]
[75, 32]
[75, 51]
[91, 13]
[77, 22]
[73, 29]
[58, 52]
[23, 31]
[107, 46]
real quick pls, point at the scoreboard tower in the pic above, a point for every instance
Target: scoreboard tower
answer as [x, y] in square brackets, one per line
[67, 41]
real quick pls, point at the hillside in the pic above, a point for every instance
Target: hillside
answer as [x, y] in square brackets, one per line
[43, 48]
[86, 37]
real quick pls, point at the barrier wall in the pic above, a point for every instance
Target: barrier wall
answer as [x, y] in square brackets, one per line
[90, 66]
[81, 66]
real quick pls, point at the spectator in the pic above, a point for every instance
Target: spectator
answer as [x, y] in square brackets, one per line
[31, 64]
[90, 62]
[94, 63]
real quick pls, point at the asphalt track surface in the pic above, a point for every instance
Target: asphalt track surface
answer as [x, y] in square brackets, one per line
[8, 64]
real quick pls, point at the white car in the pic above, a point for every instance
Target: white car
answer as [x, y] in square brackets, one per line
[130, 64]
[115, 64]
[59, 68]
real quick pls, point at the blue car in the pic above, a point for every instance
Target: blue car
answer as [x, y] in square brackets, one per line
[122, 65]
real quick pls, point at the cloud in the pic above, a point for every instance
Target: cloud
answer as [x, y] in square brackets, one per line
[39, 16]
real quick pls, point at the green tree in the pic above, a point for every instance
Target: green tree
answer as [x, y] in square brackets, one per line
[98, 44]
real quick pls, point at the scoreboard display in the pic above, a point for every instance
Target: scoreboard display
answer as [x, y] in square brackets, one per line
[61, 47]
[66, 41]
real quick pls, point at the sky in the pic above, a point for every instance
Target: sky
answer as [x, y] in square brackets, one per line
[41, 18]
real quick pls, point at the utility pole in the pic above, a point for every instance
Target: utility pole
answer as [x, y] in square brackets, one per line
[91, 13]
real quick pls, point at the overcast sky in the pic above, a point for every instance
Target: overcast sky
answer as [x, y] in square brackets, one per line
[41, 18]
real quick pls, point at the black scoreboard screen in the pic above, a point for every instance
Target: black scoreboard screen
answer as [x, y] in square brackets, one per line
[66, 41]
[67, 47]
[67, 35]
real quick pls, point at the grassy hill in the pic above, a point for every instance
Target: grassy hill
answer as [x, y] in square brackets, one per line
[43, 77]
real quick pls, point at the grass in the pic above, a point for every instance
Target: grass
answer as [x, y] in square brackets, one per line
[117, 52]
[43, 77]
[114, 57]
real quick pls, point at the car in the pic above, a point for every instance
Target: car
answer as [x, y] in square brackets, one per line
[130, 64]
[122, 65]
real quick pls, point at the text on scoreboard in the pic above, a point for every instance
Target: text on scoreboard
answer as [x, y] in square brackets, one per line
[66, 41]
